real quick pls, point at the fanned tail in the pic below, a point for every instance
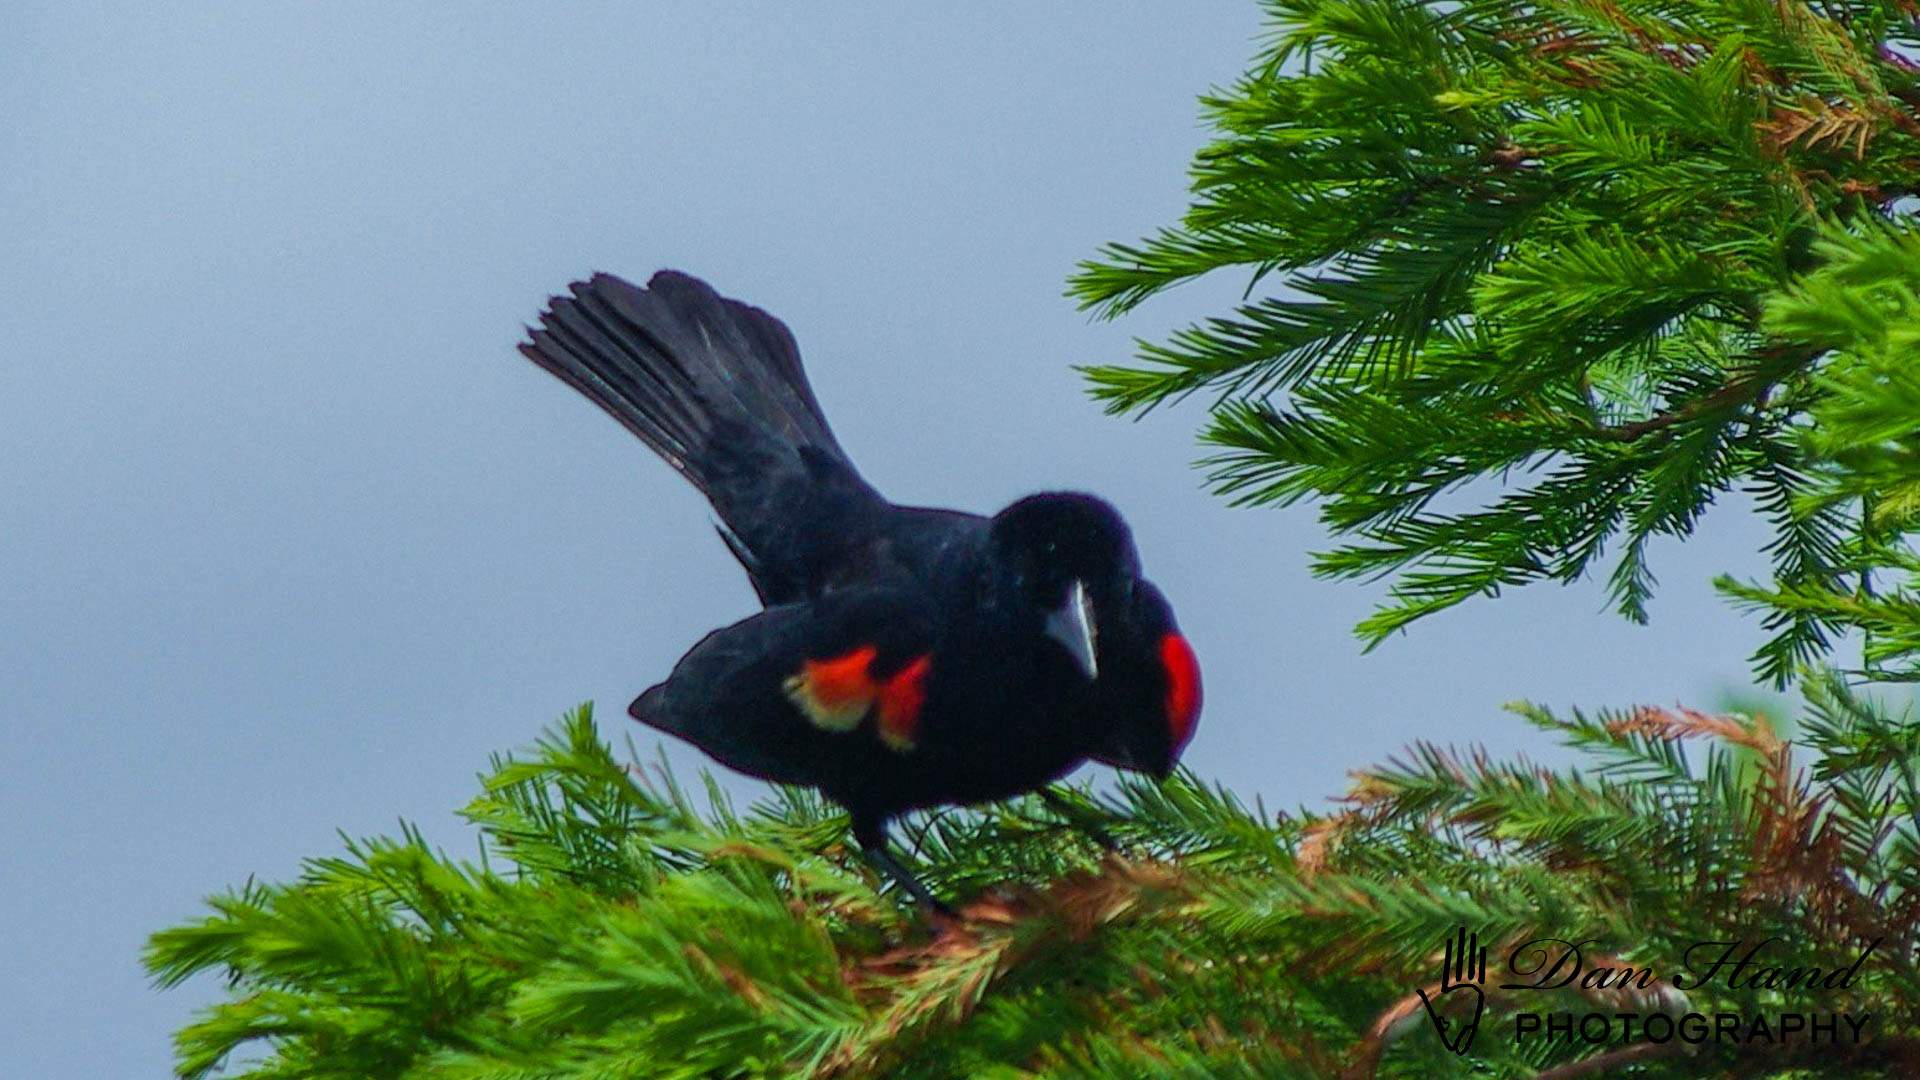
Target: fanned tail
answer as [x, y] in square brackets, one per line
[716, 388]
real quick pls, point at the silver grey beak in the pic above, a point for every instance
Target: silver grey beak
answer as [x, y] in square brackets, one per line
[1072, 626]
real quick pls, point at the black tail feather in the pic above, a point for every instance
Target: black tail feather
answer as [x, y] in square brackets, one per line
[675, 361]
[713, 386]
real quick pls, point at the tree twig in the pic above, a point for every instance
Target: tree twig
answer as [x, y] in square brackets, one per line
[1609, 1060]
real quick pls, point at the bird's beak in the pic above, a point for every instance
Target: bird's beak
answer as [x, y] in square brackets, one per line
[1072, 626]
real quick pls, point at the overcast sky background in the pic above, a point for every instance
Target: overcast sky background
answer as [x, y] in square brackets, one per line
[291, 539]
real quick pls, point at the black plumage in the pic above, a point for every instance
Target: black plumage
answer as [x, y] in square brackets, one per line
[908, 656]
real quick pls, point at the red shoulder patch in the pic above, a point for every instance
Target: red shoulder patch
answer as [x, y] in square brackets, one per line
[835, 693]
[1183, 688]
[901, 697]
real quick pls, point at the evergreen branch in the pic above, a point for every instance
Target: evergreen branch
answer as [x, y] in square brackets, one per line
[1748, 388]
[1653, 246]
[1608, 1062]
[759, 949]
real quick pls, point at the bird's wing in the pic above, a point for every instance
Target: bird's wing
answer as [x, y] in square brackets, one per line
[803, 692]
[1149, 692]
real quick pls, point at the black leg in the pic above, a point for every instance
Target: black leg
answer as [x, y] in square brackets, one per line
[1072, 813]
[872, 837]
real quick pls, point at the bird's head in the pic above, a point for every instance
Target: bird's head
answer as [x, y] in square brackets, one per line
[1069, 556]
[1072, 557]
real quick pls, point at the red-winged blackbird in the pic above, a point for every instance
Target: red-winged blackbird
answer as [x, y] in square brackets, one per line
[907, 657]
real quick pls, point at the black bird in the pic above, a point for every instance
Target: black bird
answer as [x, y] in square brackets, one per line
[907, 657]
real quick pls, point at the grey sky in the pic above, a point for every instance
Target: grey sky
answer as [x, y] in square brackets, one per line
[292, 539]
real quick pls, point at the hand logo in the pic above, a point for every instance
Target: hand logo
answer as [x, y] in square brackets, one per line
[1462, 973]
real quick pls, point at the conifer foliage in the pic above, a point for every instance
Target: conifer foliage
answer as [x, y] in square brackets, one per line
[1531, 285]
[1622, 256]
